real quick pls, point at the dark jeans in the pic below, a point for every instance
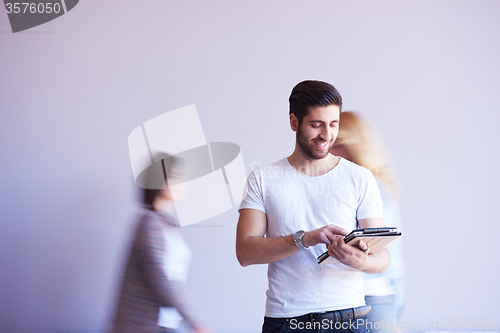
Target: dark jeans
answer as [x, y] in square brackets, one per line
[306, 324]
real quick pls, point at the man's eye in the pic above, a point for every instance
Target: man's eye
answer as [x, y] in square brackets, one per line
[315, 126]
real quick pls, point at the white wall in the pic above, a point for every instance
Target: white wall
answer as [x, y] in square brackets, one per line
[426, 73]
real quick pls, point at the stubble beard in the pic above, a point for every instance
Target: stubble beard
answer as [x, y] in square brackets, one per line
[305, 146]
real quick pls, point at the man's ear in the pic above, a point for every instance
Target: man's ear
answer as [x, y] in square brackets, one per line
[294, 123]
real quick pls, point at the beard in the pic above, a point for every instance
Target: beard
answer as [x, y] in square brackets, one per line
[308, 147]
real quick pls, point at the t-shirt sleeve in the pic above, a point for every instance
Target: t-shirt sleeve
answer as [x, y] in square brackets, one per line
[253, 197]
[369, 201]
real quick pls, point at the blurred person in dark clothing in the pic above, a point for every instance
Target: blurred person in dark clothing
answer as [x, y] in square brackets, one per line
[153, 295]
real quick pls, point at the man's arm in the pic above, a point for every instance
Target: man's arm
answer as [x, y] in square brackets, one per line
[252, 247]
[357, 258]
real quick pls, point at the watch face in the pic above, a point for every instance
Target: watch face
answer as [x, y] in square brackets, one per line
[299, 234]
[297, 238]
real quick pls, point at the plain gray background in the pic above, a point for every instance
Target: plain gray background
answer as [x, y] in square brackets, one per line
[425, 73]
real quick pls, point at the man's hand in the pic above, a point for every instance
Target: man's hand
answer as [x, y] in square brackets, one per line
[325, 235]
[353, 256]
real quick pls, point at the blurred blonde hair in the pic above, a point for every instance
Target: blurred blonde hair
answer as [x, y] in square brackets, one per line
[366, 149]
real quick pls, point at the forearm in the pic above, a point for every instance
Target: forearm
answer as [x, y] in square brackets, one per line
[253, 248]
[264, 250]
[376, 262]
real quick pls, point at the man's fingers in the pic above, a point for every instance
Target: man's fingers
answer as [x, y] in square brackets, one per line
[325, 240]
[332, 238]
[337, 230]
[362, 245]
[327, 235]
[334, 248]
[332, 251]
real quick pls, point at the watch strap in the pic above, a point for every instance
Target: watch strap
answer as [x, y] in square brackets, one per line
[297, 238]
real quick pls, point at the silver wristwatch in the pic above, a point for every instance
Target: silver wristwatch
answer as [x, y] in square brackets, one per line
[297, 238]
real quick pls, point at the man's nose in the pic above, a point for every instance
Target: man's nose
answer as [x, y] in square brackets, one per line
[325, 133]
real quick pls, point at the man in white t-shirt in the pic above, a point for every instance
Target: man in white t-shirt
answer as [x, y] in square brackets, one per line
[295, 208]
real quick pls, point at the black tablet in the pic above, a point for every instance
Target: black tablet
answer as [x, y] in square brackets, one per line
[375, 238]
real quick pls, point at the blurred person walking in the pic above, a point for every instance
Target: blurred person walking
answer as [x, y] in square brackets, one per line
[358, 143]
[153, 295]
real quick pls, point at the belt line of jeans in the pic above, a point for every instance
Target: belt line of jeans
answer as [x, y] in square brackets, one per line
[336, 315]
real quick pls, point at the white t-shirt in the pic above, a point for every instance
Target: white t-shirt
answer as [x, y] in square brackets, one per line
[292, 202]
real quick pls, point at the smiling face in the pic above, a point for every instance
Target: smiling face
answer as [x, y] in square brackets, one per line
[318, 131]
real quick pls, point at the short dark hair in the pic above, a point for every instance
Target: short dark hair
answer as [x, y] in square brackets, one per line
[312, 93]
